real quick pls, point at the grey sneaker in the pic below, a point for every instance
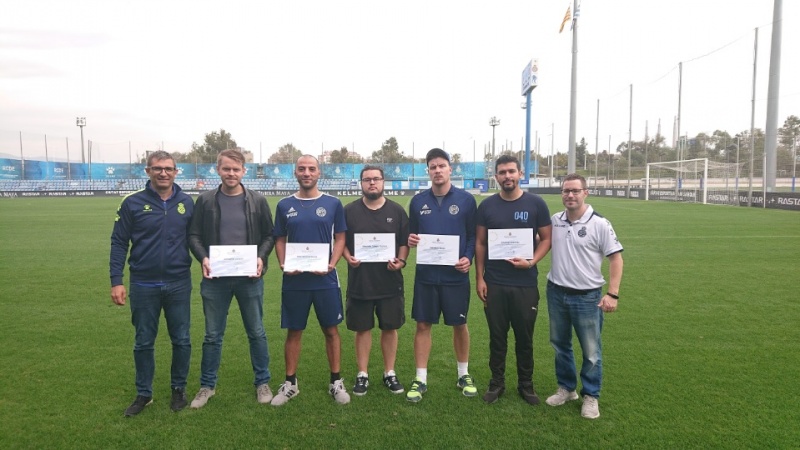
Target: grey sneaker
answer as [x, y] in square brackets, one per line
[561, 396]
[590, 408]
[286, 392]
[339, 393]
[202, 397]
[138, 405]
[264, 393]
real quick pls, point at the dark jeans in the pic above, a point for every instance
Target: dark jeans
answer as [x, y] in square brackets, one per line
[146, 305]
[517, 308]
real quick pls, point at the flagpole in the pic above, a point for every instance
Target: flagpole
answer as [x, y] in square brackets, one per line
[573, 90]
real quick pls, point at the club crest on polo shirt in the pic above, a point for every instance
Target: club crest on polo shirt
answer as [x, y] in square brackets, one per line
[321, 212]
[453, 209]
[582, 232]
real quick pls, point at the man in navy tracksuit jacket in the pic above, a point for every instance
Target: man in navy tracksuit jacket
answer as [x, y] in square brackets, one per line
[154, 222]
[442, 290]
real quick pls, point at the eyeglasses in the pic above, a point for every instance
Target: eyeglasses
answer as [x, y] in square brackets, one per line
[371, 180]
[161, 169]
[572, 191]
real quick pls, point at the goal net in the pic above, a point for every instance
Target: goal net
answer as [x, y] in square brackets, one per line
[693, 181]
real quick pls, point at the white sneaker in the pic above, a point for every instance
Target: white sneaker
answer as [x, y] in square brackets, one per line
[561, 396]
[264, 393]
[590, 408]
[339, 393]
[202, 397]
[285, 393]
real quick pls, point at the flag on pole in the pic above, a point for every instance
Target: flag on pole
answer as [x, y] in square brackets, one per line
[577, 14]
[567, 16]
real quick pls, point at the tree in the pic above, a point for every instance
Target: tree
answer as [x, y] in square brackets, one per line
[213, 143]
[456, 158]
[343, 156]
[287, 154]
[580, 153]
[390, 153]
[789, 131]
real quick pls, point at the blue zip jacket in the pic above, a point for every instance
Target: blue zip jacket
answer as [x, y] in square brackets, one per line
[157, 232]
[456, 216]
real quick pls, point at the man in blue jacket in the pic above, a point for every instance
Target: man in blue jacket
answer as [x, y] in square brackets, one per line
[155, 222]
[442, 290]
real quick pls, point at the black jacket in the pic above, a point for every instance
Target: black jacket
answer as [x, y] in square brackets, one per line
[204, 230]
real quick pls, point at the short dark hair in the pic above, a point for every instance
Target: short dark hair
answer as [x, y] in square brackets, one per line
[371, 167]
[158, 155]
[575, 176]
[436, 153]
[505, 159]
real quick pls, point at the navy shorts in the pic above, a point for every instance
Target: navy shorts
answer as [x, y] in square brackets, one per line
[390, 311]
[296, 305]
[431, 300]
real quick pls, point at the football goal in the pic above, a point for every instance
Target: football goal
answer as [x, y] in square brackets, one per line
[693, 181]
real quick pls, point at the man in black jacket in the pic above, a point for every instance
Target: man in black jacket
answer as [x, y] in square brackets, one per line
[232, 215]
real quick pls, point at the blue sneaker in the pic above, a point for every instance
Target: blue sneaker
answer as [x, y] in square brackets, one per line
[417, 389]
[467, 385]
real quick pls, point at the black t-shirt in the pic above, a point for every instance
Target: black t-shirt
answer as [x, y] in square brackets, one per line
[372, 281]
[528, 211]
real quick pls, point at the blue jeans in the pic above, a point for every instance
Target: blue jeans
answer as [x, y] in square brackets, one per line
[568, 311]
[146, 305]
[217, 294]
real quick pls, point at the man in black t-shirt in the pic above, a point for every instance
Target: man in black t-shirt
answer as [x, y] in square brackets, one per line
[375, 288]
[507, 284]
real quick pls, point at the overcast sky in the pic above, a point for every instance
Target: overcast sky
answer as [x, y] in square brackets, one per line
[327, 74]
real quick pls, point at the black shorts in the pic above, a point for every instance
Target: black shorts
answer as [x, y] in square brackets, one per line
[360, 314]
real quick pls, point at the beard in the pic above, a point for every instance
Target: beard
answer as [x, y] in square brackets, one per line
[373, 195]
[509, 188]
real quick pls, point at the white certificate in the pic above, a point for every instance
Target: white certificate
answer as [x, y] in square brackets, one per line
[438, 249]
[374, 247]
[233, 260]
[306, 257]
[509, 243]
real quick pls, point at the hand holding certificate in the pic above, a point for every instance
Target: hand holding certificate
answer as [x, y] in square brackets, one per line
[374, 247]
[233, 260]
[510, 243]
[438, 249]
[306, 257]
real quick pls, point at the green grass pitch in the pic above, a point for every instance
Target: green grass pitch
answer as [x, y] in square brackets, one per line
[702, 353]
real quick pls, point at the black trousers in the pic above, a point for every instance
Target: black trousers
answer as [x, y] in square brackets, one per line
[516, 308]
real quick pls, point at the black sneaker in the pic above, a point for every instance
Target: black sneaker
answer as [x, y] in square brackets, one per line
[178, 401]
[360, 388]
[138, 405]
[528, 394]
[393, 384]
[493, 393]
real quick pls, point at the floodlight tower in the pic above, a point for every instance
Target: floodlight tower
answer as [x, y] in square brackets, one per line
[81, 122]
[493, 122]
